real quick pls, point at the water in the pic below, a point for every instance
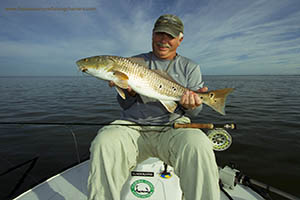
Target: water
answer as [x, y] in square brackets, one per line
[266, 109]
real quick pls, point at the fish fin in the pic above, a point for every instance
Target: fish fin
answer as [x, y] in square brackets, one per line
[146, 99]
[120, 92]
[121, 79]
[216, 99]
[164, 74]
[169, 105]
[121, 83]
[138, 60]
[121, 75]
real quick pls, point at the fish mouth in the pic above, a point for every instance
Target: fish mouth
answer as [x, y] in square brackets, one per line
[83, 69]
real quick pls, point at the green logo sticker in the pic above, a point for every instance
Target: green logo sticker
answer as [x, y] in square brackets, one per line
[142, 188]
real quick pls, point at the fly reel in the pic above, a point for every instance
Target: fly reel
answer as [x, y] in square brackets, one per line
[220, 138]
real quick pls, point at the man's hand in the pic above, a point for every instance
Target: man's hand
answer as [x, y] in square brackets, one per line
[190, 100]
[130, 91]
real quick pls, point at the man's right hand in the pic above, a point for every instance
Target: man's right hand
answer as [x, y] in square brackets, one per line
[190, 100]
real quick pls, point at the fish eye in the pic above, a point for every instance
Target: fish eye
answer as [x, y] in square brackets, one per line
[86, 60]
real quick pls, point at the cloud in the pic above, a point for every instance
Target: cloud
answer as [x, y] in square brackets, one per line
[225, 37]
[251, 32]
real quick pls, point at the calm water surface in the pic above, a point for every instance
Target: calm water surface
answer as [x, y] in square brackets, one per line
[266, 145]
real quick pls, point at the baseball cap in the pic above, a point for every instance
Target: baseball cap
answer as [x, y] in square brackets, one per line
[170, 24]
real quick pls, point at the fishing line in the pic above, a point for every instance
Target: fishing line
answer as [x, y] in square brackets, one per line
[16, 167]
[66, 125]
[32, 163]
[75, 143]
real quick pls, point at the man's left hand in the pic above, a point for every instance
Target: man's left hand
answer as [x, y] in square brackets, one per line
[190, 100]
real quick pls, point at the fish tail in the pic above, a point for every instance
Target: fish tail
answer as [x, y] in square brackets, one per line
[216, 99]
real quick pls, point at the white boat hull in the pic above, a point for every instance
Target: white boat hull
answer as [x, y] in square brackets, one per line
[146, 183]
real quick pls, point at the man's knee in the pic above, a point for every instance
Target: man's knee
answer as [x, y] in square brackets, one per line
[107, 137]
[194, 140]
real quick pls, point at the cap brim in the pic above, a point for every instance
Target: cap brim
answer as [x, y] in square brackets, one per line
[165, 29]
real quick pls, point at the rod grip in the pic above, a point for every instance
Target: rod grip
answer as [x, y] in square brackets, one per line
[194, 125]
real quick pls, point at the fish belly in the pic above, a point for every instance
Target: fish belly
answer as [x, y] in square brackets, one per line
[144, 88]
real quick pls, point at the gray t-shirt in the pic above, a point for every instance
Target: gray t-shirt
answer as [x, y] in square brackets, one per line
[183, 70]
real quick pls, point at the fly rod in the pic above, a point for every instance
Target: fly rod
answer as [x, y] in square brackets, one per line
[245, 180]
[175, 125]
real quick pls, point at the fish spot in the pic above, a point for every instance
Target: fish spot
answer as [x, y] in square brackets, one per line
[211, 95]
[142, 74]
[174, 88]
[160, 86]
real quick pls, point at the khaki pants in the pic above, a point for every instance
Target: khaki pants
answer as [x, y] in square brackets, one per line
[117, 149]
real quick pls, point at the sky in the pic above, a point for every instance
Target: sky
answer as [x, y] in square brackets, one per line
[226, 37]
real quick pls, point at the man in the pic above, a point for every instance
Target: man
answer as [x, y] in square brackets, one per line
[117, 149]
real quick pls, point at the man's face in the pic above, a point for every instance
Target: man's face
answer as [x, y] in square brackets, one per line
[164, 45]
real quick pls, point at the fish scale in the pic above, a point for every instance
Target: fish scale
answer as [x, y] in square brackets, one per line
[169, 89]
